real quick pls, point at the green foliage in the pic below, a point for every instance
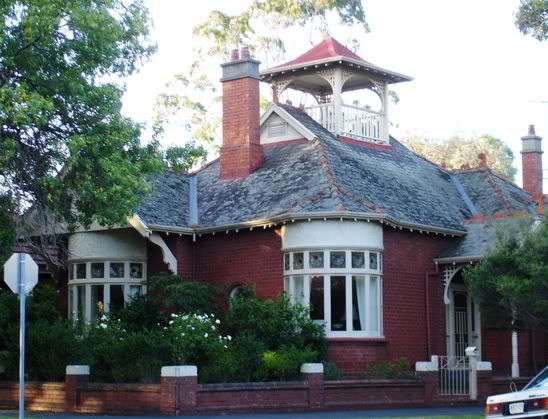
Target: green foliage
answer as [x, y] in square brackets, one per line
[457, 153]
[7, 229]
[276, 323]
[397, 368]
[331, 372]
[168, 294]
[116, 355]
[532, 18]
[285, 363]
[65, 148]
[511, 282]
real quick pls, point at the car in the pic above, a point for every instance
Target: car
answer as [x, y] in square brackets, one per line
[530, 402]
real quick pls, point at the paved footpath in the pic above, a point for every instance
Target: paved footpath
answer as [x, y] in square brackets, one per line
[446, 412]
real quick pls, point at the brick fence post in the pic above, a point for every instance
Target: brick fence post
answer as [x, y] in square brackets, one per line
[76, 377]
[485, 379]
[178, 388]
[428, 372]
[313, 375]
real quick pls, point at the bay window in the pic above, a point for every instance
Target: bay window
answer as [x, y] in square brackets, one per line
[342, 287]
[101, 286]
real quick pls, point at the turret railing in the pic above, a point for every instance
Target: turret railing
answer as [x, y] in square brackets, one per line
[359, 123]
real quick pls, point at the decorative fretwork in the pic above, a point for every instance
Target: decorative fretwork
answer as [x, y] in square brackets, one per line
[280, 85]
[378, 87]
[329, 75]
[346, 74]
[448, 274]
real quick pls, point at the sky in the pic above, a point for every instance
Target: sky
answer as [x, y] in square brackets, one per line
[474, 72]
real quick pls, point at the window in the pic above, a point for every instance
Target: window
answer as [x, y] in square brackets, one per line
[342, 287]
[100, 287]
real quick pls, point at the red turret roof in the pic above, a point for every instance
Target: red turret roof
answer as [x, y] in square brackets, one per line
[328, 48]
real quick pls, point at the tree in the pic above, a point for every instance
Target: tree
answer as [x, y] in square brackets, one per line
[458, 152]
[195, 99]
[532, 18]
[66, 151]
[511, 282]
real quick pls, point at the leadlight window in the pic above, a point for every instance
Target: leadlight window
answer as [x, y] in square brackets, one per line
[345, 295]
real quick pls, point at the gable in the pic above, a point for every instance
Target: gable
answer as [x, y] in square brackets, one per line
[275, 129]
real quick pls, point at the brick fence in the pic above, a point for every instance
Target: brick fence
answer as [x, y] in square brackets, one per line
[180, 393]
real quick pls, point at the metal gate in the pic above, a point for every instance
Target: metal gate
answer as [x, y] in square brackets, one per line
[454, 375]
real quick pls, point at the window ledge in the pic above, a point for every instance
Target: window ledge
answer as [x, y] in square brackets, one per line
[374, 341]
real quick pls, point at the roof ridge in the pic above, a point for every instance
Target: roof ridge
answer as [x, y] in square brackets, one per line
[326, 168]
[497, 190]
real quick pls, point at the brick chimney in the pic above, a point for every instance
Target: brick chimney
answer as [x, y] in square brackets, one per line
[241, 152]
[531, 160]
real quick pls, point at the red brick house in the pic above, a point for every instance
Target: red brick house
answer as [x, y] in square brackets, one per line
[322, 203]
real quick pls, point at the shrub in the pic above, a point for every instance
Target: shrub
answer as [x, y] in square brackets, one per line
[331, 371]
[285, 363]
[397, 368]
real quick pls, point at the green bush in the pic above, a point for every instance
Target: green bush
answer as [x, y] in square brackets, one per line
[397, 368]
[331, 371]
[285, 363]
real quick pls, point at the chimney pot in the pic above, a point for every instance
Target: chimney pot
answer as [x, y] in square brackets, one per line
[531, 130]
[234, 55]
[244, 53]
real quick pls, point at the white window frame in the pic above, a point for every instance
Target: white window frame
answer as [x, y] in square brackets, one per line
[307, 273]
[126, 282]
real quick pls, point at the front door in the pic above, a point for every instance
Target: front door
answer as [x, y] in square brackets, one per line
[463, 322]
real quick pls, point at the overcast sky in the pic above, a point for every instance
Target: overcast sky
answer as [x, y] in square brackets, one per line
[473, 71]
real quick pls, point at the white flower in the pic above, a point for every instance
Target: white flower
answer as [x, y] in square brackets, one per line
[212, 327]
[103, 325]
[191, 327]
[182, 334]
[229, 337]
[218, 321]
[103, 317]
[226, 347]
[205, 335]
[165, 328]
[212, 315]
[170, 322]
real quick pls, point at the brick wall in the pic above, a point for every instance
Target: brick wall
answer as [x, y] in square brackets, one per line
[408, 257]
[39, 397]
[354, 355]
[247, 257]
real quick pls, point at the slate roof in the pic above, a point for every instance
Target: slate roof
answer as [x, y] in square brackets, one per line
[479, 239]
[169, 203]
[491, 194]
[329, 176]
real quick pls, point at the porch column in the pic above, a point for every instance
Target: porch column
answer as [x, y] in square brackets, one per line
[515, 363]
[337, 101]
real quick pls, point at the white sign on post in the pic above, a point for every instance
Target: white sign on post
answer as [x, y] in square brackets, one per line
[21, 275]
[11, 273]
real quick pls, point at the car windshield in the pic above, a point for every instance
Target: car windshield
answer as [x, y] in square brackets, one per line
[540, 380]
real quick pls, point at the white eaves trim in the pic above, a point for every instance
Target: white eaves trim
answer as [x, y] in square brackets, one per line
[282, 113]
[138, 224]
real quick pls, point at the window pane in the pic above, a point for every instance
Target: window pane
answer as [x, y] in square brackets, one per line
[374, 303]
[298, 290]
[72, 303]
[315, 260]
[116, 270]
[338, 302]
[373, 260]
[80, 270]
[81, 302]
[286, 285]
[286, 262]
[136, 270]
[135, 291]
[298, 260]
[316, 298]
[358, 260]
[338, 259]
[358, 303]
[71, 271]
[116, 297]
[97, 302]
[98, 270]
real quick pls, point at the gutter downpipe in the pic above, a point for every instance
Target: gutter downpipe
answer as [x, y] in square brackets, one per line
[428, 343]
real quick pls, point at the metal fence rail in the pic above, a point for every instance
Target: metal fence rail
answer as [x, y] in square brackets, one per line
[454, 375]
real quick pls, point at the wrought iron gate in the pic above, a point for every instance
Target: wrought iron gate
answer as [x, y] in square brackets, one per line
[454, 375]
